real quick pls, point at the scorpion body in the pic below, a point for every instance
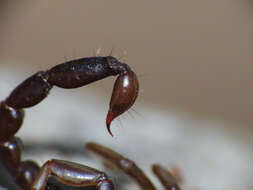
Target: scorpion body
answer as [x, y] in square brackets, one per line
[72, 74]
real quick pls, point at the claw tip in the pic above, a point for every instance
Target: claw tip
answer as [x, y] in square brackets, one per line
[109, 118]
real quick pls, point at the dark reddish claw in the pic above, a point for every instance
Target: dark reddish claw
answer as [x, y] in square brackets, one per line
[124, 94]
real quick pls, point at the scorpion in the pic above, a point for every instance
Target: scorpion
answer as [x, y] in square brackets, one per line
[28, 175]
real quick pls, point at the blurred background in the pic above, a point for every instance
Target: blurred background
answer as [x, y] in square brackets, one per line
[194, 62]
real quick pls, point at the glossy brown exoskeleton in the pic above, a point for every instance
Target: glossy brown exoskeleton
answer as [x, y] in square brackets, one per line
[72, 74]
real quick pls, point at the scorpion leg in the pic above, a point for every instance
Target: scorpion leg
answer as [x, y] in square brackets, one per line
[24, 172]
[10, 154]
[127, 166]
[166, 178]
[71, 174]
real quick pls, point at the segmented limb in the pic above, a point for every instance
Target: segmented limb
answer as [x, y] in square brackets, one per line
[127, 166]
[71, 174]
[166, 178]
[23, 172]
[76, 175]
